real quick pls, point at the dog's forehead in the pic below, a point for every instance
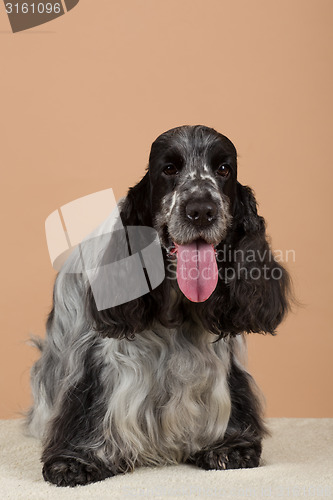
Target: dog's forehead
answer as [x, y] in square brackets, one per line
[191, 142]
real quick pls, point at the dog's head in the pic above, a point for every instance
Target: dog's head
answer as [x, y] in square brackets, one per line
[192, 173]
[191, 196]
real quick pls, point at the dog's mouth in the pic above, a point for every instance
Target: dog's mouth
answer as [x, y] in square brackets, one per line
[197, 272]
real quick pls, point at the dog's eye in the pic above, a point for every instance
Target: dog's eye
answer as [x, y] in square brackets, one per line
[223, 170]
[170, 170]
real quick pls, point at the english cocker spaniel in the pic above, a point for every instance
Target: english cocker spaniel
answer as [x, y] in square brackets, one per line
[160, 379]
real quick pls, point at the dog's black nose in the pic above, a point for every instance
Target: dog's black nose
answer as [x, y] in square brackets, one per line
[200, 212]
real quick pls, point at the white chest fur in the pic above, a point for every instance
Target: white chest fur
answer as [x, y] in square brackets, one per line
[167, 394]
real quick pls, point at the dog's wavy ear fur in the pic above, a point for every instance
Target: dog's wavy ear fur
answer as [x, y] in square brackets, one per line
[127, 319]
[246, 215]
[253, 294]
[136, 208]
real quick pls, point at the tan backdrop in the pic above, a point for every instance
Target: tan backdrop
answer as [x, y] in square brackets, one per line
[83, 97]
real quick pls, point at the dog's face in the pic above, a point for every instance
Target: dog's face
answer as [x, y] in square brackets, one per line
[193, 172]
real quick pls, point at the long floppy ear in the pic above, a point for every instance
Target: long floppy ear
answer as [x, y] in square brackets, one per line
[129, 318]
[261, 288]
[136, 208]
[246, 214]
[253, 294]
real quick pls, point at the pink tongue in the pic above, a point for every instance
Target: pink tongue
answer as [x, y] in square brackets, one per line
[197, 272]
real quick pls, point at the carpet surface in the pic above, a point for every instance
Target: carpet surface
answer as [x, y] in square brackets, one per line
[297, 463]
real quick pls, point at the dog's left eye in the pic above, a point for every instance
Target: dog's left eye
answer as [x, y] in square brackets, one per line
[170, 170]
[223, 170]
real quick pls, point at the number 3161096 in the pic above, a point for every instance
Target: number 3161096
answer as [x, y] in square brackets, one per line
[33, 8]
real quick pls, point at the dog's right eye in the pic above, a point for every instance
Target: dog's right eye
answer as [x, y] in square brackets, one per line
[170, 170]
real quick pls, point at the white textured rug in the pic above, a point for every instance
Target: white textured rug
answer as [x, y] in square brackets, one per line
[297, 463]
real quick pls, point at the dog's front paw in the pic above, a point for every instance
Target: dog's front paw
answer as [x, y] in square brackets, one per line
[64, 471]
[224, 458]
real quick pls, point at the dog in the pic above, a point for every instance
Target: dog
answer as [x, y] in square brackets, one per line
[161, 379]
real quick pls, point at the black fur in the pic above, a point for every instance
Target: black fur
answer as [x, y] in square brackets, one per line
[66, 462]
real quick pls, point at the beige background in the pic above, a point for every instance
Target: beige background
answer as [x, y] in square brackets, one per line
[83, 97]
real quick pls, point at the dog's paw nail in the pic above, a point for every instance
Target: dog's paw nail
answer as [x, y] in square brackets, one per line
[221, 463]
